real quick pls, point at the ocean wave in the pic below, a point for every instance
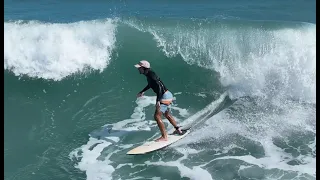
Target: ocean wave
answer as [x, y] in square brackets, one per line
[55, 51]
[253, 58]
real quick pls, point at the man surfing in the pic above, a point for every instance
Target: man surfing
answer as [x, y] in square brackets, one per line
[164, 98]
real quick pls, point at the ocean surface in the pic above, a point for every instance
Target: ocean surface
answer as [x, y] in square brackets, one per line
[243, 74]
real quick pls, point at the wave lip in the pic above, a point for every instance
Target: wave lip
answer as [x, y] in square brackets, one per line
[55, 51]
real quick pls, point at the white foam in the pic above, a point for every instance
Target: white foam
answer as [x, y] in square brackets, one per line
[276, 158]
[200, 117]
[215, 127]
[101, 169]
[182, 112]
[258, 127]
[156, 178]
[261, 130]
[187, 151]
[115, 139]
[201, 95]
[143, 178]
[94, 168]
[196, 172]
[209, 108]
[142, 103]
[95, 163]
[55, 51]
[275, 63]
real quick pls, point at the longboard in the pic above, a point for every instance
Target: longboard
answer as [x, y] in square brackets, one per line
[151, 146]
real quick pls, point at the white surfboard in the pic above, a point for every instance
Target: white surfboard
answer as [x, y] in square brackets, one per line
[150, 146]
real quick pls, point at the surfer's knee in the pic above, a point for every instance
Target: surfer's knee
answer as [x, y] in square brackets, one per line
[167, 114]
[157, 115]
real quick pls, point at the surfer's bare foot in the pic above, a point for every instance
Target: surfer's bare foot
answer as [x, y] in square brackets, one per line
[161, 139]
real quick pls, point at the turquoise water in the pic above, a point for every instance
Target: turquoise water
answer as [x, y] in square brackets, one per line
[242, 73]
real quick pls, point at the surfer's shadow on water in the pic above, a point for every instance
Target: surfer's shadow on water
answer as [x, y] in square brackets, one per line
[123, 136]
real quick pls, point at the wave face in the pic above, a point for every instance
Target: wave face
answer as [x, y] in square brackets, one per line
[252, 58]
[248, 88]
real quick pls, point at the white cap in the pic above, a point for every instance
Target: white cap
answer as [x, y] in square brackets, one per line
[143, 63]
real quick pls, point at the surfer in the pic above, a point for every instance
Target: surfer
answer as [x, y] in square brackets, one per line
[164, 98]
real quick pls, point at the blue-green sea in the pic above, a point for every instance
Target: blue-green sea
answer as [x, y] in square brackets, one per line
[243, 75]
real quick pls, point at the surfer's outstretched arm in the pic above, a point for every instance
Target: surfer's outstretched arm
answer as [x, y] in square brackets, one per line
[145, 89]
